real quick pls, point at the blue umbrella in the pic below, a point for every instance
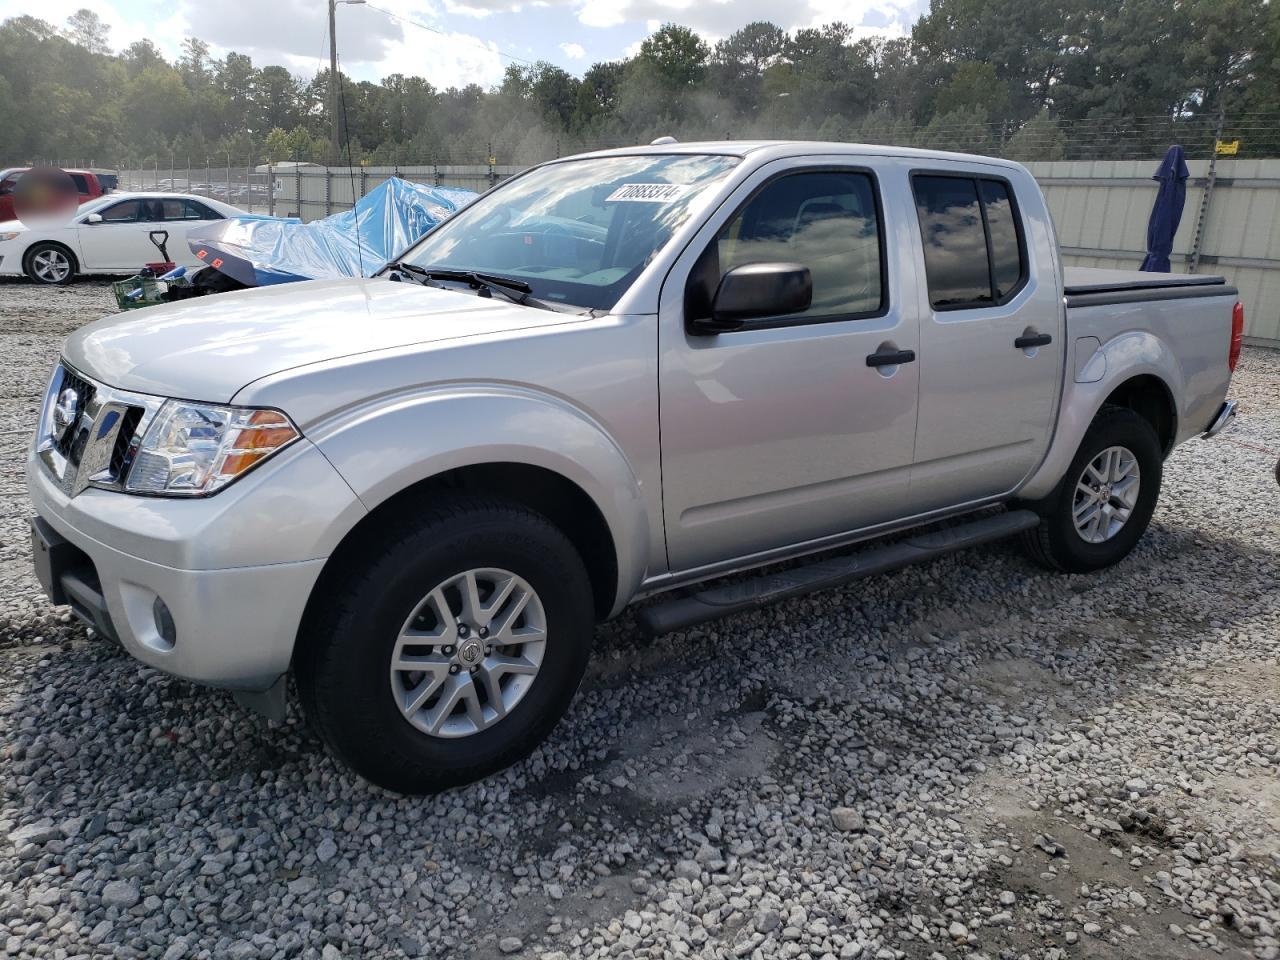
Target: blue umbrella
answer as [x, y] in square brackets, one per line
[1165, 215]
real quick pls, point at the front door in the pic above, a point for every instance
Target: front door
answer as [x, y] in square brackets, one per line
[781, 433]
[991, 340]
[120, 242]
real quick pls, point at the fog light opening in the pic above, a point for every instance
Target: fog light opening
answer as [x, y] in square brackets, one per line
[164, 623]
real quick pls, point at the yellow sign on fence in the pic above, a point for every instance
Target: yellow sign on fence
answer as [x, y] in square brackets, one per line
[1227, 148]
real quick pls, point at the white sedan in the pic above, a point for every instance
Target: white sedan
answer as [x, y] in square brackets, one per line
[111, 235]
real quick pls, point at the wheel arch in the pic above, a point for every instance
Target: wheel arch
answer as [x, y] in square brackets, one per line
[1150, 397]
[524, 446]
[554, 496]
[1138, 371]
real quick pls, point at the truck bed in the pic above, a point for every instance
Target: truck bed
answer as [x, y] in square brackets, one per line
[1093, 287]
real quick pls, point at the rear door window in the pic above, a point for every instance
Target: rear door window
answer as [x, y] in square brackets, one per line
[973, 249]
[198, 211]
[1006, 245]
[82, 183]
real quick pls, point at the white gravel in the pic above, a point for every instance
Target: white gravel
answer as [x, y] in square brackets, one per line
[970, 758]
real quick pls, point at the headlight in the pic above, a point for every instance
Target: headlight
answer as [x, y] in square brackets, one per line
[194, 449]
[8, 236]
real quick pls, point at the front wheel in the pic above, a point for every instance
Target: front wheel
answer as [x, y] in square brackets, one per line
[1100, 510]
[451, 648]
[50, 263]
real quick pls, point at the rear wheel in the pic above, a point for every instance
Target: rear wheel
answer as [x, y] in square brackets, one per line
[50, 263]
[1100, 510]
[452, 650]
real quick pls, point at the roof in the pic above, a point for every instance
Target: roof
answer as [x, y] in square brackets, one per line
[159, 195]
[795, 148]
[95, 171]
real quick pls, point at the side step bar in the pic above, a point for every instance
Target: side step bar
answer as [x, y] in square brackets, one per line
[680, 613]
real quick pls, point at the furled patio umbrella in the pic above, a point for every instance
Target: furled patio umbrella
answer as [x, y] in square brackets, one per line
[1167, 212]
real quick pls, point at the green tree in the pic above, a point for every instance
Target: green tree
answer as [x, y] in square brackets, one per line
[739, 62]
[275, 100]
[975, 86]
[140, 55]
[86, 29]
[677, 55]
[598, 93]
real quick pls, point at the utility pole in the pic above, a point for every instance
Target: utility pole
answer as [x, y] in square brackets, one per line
[335, 145]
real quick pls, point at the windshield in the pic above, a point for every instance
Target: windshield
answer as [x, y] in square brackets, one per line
[579, 232]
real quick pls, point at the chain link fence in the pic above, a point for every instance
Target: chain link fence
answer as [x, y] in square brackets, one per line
[305, 187]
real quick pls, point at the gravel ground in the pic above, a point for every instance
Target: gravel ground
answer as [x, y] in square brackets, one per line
[968, 758]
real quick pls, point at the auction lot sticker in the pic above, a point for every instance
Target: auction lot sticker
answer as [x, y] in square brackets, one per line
[646, 193]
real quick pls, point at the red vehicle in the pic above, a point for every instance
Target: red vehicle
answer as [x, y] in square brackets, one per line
[89, 185]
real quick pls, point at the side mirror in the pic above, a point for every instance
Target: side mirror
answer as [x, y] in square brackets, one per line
[93, 218]
[756, 290]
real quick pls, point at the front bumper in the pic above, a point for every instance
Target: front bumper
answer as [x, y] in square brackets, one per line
[234, 622]
[233, 628]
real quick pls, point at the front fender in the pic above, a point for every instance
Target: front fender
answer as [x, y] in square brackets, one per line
[389, 446]
[1134, 353]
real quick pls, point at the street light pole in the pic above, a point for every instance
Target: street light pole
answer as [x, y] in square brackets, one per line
[335, 145]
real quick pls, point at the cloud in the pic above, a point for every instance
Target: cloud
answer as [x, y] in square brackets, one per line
[371, 45]
[298, 29]
[444, 60]
[715, 19]
[163, 26]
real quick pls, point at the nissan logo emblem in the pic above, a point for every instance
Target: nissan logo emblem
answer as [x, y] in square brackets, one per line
[66, 410]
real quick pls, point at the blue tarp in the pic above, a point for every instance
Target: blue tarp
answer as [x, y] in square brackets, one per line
[259, 251]
[1167, 212]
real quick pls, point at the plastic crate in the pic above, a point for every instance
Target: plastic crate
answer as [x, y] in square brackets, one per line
[137, 292]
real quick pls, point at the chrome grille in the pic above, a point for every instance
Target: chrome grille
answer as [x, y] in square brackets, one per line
[84, 392]
[89, 432]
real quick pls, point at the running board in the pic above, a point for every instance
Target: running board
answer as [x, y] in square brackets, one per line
[687, 611]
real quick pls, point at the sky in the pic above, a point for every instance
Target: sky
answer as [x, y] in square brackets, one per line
[468, 41]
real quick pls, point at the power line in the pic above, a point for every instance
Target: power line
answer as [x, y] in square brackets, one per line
[453, 36]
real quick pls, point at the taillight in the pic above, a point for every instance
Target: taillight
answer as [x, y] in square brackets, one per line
[1237, 336]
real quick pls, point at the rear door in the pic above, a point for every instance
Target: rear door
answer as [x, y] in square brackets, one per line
[991, 338]
[179, 216]
[781, 433]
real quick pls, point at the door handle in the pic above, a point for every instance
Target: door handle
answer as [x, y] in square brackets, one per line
[1034, 340]
[890, 358]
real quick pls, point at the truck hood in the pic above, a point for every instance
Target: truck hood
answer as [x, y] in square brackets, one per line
[208, 349]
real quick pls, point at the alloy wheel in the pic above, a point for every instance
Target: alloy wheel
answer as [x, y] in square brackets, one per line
[51, 266]
[468, 653]
[1106, 494]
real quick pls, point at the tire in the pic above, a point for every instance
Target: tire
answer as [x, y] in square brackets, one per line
[1057, 542]
[356, 699]
[50, 264]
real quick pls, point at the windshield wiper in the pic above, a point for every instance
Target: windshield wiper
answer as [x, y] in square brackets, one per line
[407, 268]
[517, 291]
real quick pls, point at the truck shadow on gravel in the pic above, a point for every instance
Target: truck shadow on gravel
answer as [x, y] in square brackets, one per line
[914, 699]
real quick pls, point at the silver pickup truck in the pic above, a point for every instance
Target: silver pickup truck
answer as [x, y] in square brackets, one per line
[615, 376]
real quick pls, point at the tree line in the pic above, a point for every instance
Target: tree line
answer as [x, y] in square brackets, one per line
[1029, 78]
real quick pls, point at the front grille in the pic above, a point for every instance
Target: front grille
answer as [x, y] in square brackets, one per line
[126, 443]
[93, 437]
